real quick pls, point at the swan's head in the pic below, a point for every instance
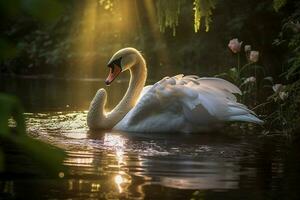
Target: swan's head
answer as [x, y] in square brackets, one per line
[122, 60]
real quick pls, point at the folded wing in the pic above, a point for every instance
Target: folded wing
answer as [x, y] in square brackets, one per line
[191, 100]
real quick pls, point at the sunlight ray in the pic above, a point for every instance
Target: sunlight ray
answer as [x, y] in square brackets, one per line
[162, 53]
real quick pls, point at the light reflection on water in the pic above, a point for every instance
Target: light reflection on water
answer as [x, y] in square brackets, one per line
[124, 163]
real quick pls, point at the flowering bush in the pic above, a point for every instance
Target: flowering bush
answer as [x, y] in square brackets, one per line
[245, 76]
[280, 107]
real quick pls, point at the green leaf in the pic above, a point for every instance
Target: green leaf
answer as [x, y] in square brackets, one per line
[10, 106]
[47, 156]
[8, 50]
[252, 66]
[277, 4]
[1, 161]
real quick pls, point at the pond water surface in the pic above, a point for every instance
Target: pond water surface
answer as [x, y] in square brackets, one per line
[115, 165]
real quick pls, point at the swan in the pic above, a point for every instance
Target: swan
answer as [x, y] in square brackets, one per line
[179, 103]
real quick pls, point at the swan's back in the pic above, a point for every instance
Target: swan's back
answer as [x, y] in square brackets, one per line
[186, 104]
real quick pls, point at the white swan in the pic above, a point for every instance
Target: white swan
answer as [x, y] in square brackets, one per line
[179, 103]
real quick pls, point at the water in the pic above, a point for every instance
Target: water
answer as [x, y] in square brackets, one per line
[114, 165]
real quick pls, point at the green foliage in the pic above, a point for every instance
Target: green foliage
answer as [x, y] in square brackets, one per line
[232, 75]
[293, 68]
[168, 14]
[7, 50]
[277, 4]
[10, 106]
[20, 16]
[283, 104]
[203, 9]
[285, 118]
[45, 11]
[49, 157]
[54, 48]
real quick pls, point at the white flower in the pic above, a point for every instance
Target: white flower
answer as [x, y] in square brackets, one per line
[251, 79]
[283, 95]
[247, 48]
[234, 45]
[279, 89]
[254, 55]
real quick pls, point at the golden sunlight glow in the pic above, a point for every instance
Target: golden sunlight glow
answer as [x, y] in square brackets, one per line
[103, 27]
[122, 181]
[61, 174]
[118, 144]
[119, 180]
[79, 158]
[95, 187]
[162, 53]
[76, 134]
[113, 140]
[71, 185]
[84, 33]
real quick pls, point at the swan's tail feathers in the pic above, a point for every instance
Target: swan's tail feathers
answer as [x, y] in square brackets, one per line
[239, 112]
[246, 118]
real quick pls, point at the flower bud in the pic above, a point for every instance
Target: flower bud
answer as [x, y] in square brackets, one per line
[254, 55]
[234, 45]
[247, 48]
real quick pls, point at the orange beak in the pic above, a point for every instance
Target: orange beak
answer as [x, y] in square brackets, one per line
[113, 73]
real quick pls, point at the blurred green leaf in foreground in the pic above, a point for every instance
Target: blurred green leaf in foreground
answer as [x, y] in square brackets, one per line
[47, 157]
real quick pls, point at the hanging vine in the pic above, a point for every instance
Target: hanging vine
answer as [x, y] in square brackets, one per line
[168, 14]
[203, 9]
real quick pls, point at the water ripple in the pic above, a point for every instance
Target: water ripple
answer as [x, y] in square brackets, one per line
[124, 160]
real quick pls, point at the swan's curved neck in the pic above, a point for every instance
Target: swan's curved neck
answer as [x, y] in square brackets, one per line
[97, 117]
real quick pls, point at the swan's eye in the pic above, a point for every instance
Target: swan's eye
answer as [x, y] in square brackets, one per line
[115, 62]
